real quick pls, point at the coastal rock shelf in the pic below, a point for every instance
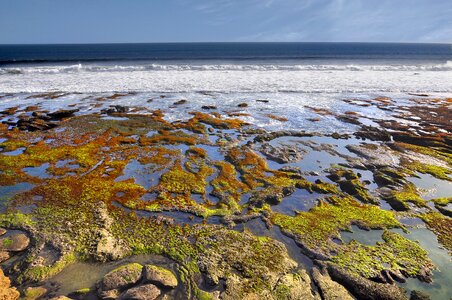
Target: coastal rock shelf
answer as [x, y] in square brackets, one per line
[212, 206]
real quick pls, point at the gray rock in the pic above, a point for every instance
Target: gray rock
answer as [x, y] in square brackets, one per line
[14, 243]
[142, 292]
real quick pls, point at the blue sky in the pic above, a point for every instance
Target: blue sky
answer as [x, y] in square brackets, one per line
[103, 21]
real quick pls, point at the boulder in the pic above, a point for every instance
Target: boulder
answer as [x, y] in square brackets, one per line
[62, 113]
[142, 292]
[159, 276]
[121, 278]
[243, 105]
[14, 243]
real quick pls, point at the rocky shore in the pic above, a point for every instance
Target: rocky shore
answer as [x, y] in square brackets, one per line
[105, 186]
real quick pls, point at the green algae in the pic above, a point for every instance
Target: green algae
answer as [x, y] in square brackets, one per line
[399, 199]
[316, 227]
[441, 226]
[396, 254]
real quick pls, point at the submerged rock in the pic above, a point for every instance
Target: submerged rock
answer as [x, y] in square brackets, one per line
[160, 276]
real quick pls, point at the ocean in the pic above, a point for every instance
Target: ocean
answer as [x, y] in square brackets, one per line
[227, 67]
[289, 75]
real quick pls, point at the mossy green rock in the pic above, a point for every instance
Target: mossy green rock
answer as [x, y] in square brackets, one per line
[160, 276]
[121, 278]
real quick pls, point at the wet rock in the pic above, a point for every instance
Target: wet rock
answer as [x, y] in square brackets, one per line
[115, 109]
[6, 291]
[14, 243]
[208, 107]
[276, 134]
[374, 156]
[119, 279]
[4, 256]
[243, 105]
[418, 295]
[35, 124]
[142, 292]
[329, 289]
[160, 276]
[373, 134]
[2, 231]
[62, 113]
[262, 101]
[180, 102]
[283, 154]
[60, 298]
[363, 288]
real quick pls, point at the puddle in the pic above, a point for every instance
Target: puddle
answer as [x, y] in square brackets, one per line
[143, 175]
[300, 200]
[40, 172]
[16, 152]
[431, 187]
[6, 192]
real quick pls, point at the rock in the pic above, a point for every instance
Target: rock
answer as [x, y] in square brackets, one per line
[363, 288]
[62, 113]
[418, 295]
[4, 256]
[142, 292]
[160, 276]
[109, 295]
[2, 231]
[282, 154]
[15, 243]
[35, 124]
[243, 105]
[120, 278]
[263, 101]
[6, 291]
[60, 298]
[295, 286]
[208, 107]
[329, 289]
[180, 102]
[33, 293]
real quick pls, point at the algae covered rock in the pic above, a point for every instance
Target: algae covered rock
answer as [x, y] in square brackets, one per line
[159, 275]
[294, 286]
[121, 278]
[14, 243]
[142, 292]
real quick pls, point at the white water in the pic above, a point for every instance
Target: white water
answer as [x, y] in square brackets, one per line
[229, 78]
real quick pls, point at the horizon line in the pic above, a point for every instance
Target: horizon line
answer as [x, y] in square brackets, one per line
[222, 42]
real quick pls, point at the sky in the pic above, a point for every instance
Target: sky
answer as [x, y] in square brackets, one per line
[138, 21]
